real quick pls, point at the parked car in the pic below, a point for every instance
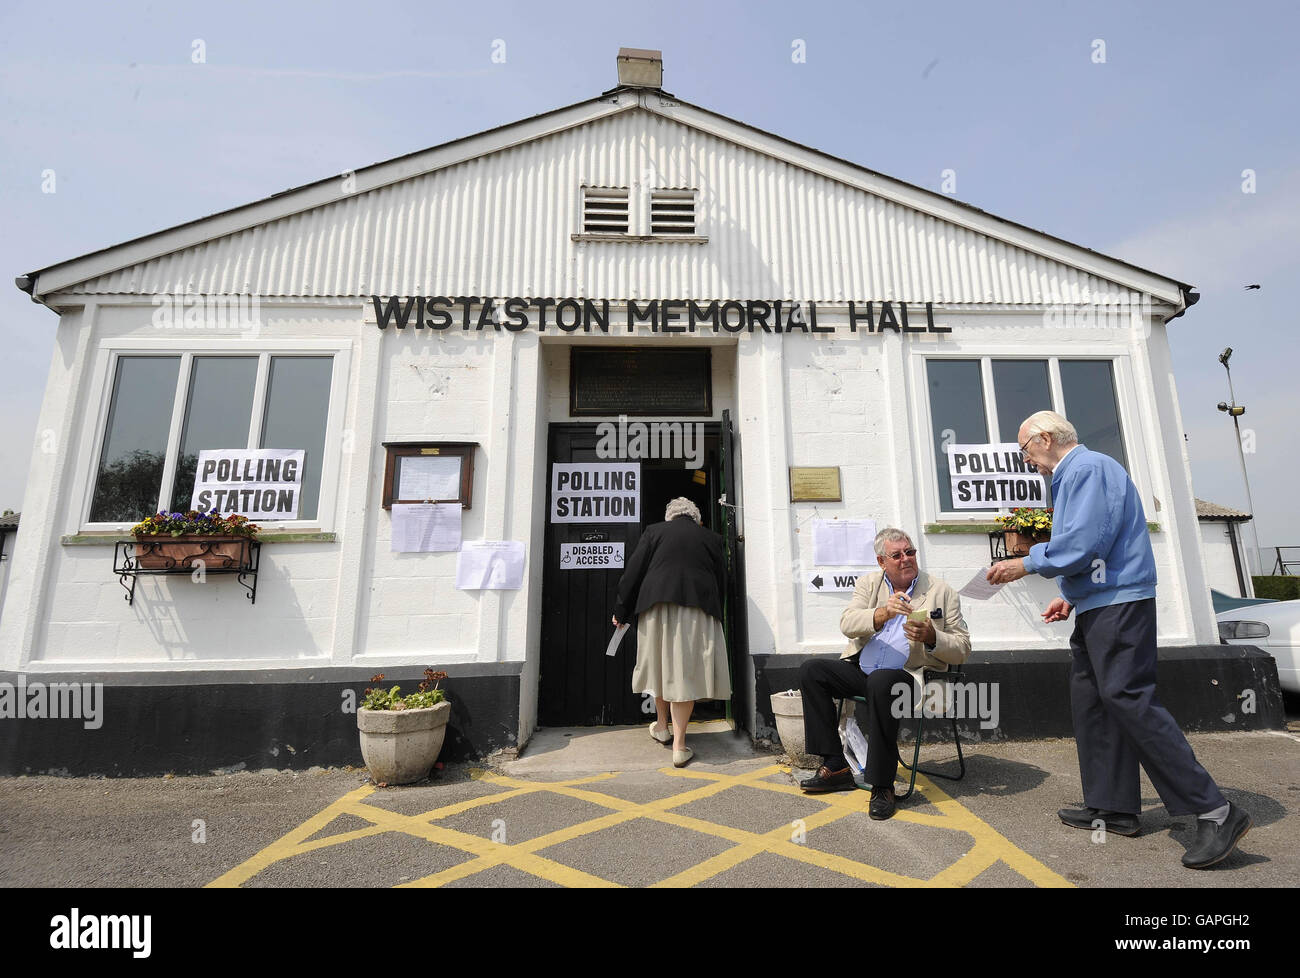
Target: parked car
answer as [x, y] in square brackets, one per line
[1273, 627]
[1226, 602]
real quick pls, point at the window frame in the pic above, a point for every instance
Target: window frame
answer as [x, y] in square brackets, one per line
[1126, 408]
[94, 426]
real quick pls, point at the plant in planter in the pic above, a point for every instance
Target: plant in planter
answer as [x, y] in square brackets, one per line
[178, 540]
[1023, 527]
[401, 736]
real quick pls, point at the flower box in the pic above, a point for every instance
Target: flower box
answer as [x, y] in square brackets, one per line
[167, 552]
[1018, 543]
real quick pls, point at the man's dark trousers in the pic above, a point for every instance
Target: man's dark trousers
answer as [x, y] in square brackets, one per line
[1118, 719]
[823, 680]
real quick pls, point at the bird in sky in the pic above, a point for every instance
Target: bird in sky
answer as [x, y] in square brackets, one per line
[1252, 286]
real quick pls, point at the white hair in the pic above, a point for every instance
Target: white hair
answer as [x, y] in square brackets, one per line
[681, 506]
[887, 536]
[1053, 424]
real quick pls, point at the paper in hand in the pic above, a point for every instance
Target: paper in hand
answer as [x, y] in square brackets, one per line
[616, 639]
[978, 587]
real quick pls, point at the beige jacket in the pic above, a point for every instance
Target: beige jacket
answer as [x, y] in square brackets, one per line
[952, 640]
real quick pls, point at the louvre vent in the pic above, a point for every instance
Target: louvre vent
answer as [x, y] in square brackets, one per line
[672, 212]
[604, 210]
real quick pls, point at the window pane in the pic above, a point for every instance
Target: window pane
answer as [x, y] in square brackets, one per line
[1020, 387]
[297, 403]
[1088, 387]
[217, 413]
[956, 407]
[129, 480]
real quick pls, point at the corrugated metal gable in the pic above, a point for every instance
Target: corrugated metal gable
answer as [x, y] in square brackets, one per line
[500, 225]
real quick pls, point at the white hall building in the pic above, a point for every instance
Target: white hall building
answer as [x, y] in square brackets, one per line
[920, 320]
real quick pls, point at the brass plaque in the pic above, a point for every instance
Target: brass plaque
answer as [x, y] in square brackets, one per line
[815, 485]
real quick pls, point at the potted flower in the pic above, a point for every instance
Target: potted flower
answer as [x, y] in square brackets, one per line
[1023, 527]
[401, 736]
[179, 540]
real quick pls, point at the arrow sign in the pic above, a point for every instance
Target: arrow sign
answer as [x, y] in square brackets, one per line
[844, 580]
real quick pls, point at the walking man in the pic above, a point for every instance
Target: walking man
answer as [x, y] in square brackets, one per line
[1100, 552]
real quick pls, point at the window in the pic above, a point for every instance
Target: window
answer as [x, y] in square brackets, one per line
[164, 410]
[604, 210]
[672, 212]
[985, 399]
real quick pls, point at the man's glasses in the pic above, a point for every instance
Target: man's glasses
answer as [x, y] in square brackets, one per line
[1023, 457]
[900, 554]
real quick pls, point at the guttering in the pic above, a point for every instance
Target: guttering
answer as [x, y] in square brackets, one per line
[1190, 298]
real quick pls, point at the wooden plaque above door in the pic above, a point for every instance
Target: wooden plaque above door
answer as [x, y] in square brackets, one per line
[640, 381]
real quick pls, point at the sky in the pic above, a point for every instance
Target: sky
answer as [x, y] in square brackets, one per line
[1163, 134]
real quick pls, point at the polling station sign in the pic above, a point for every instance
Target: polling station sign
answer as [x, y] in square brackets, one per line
[590, 556]
[263, 483]
[596, 492]
[993, 476]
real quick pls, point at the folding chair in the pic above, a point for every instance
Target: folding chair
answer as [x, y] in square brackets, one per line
[947, 676]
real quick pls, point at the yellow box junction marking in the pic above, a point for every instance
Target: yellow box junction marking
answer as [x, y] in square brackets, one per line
[988, 847]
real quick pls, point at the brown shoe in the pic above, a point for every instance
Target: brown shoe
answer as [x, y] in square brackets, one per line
[828, 780]
[882, 804]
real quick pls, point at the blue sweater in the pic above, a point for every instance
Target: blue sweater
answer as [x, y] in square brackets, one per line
[1100, 548]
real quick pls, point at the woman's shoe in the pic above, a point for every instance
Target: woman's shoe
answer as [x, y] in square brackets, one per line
[682, 757]
[664, 738]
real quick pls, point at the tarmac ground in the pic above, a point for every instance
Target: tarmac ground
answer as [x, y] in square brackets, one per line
[601, 807]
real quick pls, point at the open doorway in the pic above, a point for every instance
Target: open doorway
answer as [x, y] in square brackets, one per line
[579, 684]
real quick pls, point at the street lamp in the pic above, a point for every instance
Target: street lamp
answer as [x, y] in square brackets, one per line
[1235, 411]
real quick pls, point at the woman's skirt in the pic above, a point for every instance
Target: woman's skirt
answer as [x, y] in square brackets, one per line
[681, 655]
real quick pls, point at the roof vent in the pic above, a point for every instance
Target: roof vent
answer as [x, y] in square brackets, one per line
[639, 68]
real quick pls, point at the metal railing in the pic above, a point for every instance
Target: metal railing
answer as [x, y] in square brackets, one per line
[1286, 565]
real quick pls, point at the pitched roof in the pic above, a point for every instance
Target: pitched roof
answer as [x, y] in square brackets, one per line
[230, 224]
[1213, 511]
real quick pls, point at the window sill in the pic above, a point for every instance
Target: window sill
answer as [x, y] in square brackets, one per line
[987, 528]
[642, 238]
[100, 538]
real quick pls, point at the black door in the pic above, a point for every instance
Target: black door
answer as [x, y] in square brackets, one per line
[579, 684]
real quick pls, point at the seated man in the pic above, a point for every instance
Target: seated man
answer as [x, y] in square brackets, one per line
[886, 649]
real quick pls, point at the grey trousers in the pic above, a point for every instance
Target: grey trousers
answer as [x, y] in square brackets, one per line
[1119, 722]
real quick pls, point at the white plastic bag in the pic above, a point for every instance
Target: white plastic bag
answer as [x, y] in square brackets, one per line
[855, 745]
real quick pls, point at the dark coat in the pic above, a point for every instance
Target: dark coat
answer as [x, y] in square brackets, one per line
[679, 562]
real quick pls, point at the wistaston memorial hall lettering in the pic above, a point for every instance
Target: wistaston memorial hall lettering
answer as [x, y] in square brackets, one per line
[514, 315]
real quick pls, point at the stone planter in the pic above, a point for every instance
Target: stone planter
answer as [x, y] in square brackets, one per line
[787, 708]
[166, 552]
[400, 746]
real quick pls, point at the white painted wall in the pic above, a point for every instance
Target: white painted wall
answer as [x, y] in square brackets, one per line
[854, 400]
[1216, 551]
[859, 402]
[9, 542]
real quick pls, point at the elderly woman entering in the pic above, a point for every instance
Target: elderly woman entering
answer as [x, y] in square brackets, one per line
[674, 583]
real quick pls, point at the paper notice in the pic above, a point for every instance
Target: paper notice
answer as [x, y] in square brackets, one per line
[429, 477]
[426, 527]
[490, 565]
[844, 543]
[616, 639]
[978, 588]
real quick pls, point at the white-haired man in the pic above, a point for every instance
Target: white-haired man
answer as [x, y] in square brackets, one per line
[886, 648]
[1100, 553]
